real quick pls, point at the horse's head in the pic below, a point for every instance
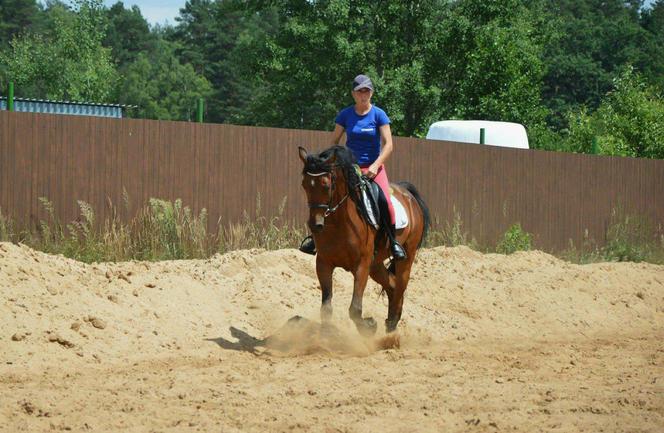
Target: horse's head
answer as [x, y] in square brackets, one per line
[324, 182]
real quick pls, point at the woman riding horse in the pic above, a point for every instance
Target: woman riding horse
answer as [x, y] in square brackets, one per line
[366, 127]
[346, 240]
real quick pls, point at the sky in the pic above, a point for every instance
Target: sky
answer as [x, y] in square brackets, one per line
[160, 11]
[155, 11]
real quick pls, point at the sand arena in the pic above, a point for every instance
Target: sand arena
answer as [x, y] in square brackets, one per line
[489, 343]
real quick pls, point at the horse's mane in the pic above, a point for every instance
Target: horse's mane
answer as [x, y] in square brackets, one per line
[345, 160]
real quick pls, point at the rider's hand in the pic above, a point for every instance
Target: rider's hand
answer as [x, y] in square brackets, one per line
[372, 171]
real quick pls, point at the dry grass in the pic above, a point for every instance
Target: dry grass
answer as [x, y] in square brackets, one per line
[161, 230]
[164, 230]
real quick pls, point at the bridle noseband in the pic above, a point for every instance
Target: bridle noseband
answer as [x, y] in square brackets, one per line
[329, 209]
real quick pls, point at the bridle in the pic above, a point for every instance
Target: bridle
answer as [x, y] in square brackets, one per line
[329, 209]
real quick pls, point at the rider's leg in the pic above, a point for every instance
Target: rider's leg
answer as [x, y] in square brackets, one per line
[384, 184]
[381, 179]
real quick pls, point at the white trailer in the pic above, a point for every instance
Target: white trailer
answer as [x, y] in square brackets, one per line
[505, 134]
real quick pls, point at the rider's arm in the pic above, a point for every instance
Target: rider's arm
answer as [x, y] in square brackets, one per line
[386, 141]
[337, 133]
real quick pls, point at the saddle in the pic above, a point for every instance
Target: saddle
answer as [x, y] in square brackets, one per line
[375, 211]
[374, 203]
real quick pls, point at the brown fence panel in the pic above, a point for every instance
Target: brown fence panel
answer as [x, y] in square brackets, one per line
[225, 168]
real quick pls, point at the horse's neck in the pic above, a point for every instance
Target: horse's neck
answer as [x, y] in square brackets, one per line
[348, 213]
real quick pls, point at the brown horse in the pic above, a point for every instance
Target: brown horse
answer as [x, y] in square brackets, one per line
[344, 239]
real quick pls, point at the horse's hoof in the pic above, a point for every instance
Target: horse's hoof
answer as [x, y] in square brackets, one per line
[390, 326]
[370, 327]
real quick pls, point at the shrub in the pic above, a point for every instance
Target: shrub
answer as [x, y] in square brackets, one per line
[514, 239]
[628, 122]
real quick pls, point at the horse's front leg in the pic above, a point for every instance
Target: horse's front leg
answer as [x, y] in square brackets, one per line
[324, 273]
[366, 327]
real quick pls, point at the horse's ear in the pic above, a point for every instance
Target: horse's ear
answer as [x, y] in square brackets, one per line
[303, 154]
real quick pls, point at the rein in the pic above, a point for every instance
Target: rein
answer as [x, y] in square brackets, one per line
[329, 209]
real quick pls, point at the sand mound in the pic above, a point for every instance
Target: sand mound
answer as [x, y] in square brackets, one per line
[487, 342]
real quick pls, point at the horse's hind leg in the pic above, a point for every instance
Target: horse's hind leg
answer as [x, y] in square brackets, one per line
[324, 273]
[367, 326]
[402, 275]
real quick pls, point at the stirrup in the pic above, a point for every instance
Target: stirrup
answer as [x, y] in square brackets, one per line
[398, 252]
[308, 246]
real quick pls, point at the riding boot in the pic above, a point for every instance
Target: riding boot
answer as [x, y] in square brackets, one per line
[397, 250]
[308, 246]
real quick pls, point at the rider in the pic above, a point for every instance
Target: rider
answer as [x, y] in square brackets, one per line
[366, 127]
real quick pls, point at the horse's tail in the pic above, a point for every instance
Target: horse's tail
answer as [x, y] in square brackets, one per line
[423, 206]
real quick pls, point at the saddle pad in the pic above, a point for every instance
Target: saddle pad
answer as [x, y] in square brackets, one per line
[400, 215]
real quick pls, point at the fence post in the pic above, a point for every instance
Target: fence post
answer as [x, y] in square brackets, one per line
[199, 110]
[595, 147]
[482, 135]
[10, 97]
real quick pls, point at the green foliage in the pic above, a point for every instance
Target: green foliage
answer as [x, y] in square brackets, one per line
[161, 86]
[514, 239]
[69, 65]
[584, 55]
[467, 59]
[215, 38]
[16, 17]
[304, 68]
[492, 65]
[127, 34]
[548, 64]
[628, 122]
[653, 22]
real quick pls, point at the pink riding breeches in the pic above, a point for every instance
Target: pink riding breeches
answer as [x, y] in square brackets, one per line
[381, 180]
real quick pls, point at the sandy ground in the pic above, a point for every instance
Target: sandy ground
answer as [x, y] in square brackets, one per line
[489, 343]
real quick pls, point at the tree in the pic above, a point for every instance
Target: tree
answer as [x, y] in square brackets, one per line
[70, 65]
[161, 86]
[593, 40]
[628, 122]
[491, 68]
[16, 17]
[305, 66]
[653, 23]
[214, 36]
[429, 60]
[128, 34]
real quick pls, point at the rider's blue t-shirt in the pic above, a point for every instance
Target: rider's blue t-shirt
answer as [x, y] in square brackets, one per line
[362, 132]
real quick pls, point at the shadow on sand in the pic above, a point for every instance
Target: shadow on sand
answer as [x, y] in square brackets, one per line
[300, 336]
[244, 343]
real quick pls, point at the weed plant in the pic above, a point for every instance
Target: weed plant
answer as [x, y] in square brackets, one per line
[628, 239]
[161, 230]
[514, 239]
[164, 230]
